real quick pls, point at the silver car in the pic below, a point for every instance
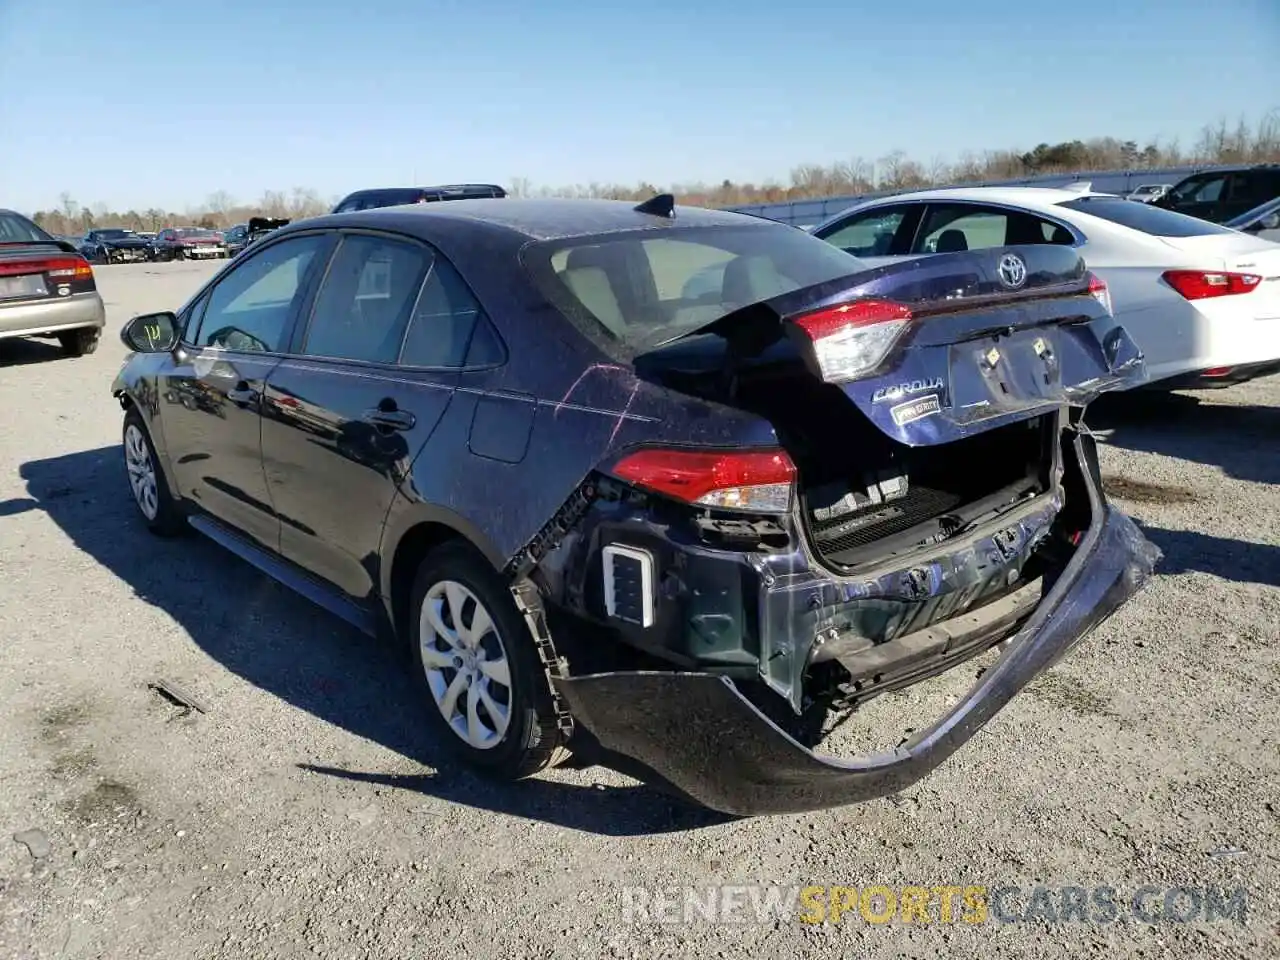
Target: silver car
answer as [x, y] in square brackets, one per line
[47, 289]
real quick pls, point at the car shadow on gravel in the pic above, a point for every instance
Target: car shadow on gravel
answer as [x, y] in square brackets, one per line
[20, 353]
[283, 644]
[1240, 440]
[1189, 551]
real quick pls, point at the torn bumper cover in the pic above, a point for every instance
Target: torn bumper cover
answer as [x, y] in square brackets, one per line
[698, 732]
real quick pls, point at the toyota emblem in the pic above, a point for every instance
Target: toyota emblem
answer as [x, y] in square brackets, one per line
[1012, 270]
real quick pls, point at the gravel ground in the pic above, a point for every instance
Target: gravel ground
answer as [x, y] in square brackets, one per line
[301, 812]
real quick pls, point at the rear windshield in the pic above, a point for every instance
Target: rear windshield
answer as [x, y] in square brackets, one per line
[16, 229]
[114, 234]
[1141, 216]
[631, 291]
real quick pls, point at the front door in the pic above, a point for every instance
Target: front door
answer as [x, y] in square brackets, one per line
[372, 374]
[213, 391]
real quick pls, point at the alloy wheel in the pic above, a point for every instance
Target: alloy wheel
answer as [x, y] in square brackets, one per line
[466, 664]
[142, 472]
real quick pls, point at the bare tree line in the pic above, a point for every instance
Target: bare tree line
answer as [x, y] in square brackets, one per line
[1222, 142]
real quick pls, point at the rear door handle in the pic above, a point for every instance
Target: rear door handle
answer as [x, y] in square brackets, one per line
[243, 393]
[390, 419]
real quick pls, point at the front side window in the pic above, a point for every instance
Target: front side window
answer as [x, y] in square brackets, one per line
[867, 234]
[250, 308]
[1206, 189]
[631, 290]
[364, 305]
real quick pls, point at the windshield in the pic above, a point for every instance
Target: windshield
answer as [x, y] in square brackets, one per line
[631, 291]
[1151, 220]
[16, 229]
[114, 234]
[1257, 213]
[194, 232]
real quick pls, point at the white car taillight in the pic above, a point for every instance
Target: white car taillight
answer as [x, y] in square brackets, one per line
[850, 340]
[1200, 285]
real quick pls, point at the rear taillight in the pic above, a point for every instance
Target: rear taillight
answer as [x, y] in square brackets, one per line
[1098, 290]
[744, 480]
[61, 268]
[1200, 284]
[850, 340]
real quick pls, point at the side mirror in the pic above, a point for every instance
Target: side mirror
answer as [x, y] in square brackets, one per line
[151, 333]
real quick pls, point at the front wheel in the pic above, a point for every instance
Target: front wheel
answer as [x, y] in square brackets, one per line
[490, 700]
[150, 489]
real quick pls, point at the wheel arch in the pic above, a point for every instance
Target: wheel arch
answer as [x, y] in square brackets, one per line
[411, 531]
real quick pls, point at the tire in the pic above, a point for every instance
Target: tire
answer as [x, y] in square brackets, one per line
[79, 343]
[453, 576]
[159, 510]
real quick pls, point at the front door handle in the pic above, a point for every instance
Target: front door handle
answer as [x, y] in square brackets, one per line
[392, 419]
[242, 393]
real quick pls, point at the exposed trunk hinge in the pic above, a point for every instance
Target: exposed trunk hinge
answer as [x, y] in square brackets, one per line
[529, 600]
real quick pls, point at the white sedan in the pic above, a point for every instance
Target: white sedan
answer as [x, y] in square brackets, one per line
[1201, 300]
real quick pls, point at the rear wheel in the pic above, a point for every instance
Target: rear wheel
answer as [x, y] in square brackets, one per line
[490, 700]
[78, 343]
[150, 489]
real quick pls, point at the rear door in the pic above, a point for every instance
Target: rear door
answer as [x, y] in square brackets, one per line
[370, 376]
[235, 336]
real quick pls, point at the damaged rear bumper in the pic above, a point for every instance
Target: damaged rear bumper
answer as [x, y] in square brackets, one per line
[697, 731]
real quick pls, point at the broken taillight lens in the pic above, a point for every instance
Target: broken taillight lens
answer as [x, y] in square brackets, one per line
[758, 480]
[851, 340]
[1098, 290]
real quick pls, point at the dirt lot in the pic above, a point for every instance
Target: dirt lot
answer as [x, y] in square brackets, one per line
[302, 813]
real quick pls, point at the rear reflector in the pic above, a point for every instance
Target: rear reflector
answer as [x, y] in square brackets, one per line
[62, 268]
[1216, 372]
[1098, 290]
[756, 480]
[1200, 285]
[851, 340]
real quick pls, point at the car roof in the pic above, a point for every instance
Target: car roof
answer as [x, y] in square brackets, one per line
[539, 219]
[1043, 199]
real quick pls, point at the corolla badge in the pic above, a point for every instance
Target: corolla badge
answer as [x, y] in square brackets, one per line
[1013, 271]
[900, 390]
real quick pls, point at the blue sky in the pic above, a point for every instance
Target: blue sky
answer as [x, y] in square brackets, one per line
[138, 103]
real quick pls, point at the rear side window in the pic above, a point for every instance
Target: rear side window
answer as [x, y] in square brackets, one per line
[364, 304]
[1143, 217]
[449, 327]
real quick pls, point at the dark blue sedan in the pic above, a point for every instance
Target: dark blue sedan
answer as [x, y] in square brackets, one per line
[672, 486]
